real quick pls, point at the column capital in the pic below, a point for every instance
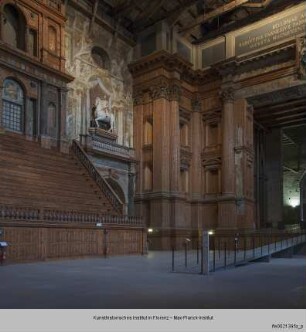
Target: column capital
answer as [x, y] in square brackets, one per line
[227, 95]
[167, 90]
[159, 90]
[174, 92]
[138, 97]
[250, 108]
[196, 104]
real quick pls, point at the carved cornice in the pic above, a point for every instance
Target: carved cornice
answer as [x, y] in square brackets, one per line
[200, 76]
[278, 96]
[171, 62]
[19, 62]
[257, 60]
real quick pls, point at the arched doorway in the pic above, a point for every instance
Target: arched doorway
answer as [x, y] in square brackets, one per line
[117, 189]
[13, 106]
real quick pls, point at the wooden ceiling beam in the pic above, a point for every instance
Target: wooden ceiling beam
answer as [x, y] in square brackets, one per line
[149, 12]
[214, 13]
[128, 5]
[259, 5]
[286, 106]
[176, 13]
[292, 123]
[268, 114]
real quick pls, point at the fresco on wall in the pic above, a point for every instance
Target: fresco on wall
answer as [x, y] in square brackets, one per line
[98, 61]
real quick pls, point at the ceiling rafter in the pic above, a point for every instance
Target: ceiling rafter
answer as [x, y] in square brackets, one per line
[145, 16]
[120, 10]
[260, 5]
[176, 13]
[214, 13]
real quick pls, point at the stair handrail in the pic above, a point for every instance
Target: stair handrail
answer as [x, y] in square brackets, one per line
[107, 190]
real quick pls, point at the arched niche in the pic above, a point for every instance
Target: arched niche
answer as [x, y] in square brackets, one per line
[14, 27]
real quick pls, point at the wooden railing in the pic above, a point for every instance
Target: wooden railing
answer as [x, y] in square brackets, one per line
[95, 175]
[16, 213]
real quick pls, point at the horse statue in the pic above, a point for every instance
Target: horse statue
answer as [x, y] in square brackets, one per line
[102, 116]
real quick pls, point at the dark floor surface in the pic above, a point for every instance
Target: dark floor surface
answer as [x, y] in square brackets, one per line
[146, 282]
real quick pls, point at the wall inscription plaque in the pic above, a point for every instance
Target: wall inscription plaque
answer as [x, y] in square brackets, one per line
[271, 33]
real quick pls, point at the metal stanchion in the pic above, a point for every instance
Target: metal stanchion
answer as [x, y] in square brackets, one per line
[197, 252]
[185, 244]
[214, 248]
[172, 259]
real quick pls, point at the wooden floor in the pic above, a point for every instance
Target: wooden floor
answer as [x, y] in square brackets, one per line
[35, 177]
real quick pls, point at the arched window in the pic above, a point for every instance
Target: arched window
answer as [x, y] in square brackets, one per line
[52, 39]
[100, 57]
[13, 106]
[13, 27]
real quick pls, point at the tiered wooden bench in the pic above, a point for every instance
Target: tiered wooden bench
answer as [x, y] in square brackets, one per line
[36, 177]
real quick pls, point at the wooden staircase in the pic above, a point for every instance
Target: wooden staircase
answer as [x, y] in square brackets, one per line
[46, 179]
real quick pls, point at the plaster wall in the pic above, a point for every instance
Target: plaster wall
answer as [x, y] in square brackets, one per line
[113, 83]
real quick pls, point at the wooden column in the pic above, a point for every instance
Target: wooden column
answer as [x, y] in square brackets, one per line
[228, 158]
[196, 122]
[196, 167]
[227, 211]
[174, 154]
[1, 108]
[138, 139]
[244, 164]
[274, 174]
[161, 139]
